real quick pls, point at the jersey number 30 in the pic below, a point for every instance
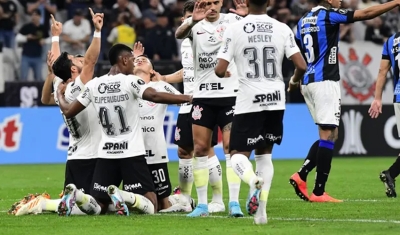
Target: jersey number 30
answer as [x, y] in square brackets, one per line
[108, 126]
[268, 62]
[308, 43]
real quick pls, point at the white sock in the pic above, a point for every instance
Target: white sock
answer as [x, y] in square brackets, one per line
[201, 176]
[111, 208]
[77, 211]
[50, 205]
[186, 176]
[137, 202]
[215, 174]
[87, 203]
[265, 170]
[233, 180]
[243, 168]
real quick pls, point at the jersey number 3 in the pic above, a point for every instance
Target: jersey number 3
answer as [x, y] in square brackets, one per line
[108, 126]
[308, 43]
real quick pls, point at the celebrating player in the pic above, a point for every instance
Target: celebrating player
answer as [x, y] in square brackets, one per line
[318, 36]
[183, 131]
[260, 102]
[213, 98]
[390, 57]
[121, 150]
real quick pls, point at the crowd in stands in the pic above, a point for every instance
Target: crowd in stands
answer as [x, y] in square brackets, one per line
[24, 27]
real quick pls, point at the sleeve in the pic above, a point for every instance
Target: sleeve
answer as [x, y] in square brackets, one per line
[136, 85]
[74, 89]
[56, 82]
[234, 18]
[226, 52]
[341, 16]
[291, 47]
[169, 88]
[385, 50]
[24, 30]
[86, 97]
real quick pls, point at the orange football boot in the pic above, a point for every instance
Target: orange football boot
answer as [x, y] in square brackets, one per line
[300, 186]
[323, 198]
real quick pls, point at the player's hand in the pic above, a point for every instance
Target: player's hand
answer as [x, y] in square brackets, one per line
[158, 77]
[375, 109]
[97, 20]
[190, 98]
[227, 74]
[138, 49]
[61, 87]
[241, 8]
[50, 61]
[199, 11]
[292, 85]
[56, 27]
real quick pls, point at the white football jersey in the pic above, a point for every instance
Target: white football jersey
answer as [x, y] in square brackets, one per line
[188, 73]
[152, 118]
[257, 44]
[115, 98]
[207, 40]
[84, 128]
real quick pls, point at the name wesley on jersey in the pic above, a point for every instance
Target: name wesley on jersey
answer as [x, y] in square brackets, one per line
[111, 99]
[207, 60]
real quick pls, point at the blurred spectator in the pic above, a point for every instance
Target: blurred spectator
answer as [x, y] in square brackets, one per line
[299, 8]
[155, 8]
[125, 6]
[392, 20]
[46, 7]
[160, 40]
[366, 3]
[123, 33]
[377, 33]
[76, 34]
[346, 34]
[8, 20]
[357, 28]
[33, 36]
[73, 5]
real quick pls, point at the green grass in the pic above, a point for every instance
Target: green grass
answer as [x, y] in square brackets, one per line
[366, 210]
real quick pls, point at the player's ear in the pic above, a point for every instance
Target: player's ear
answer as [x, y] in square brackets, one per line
[182, 19]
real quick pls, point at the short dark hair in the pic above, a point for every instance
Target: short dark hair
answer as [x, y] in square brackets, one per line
[62, 67]
[259, 2]
[115, 51]
[188, 6]
[37, 12]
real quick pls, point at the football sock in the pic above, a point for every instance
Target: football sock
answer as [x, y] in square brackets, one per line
[201, 176]
[324, 160]
[76, 211]
[310, 161]
[233, 180]
[215, 178]
[243, 168]
[50, 205]
[138, 202]
[394, 170]
[87, 203]
[186, 176]
[265, 170]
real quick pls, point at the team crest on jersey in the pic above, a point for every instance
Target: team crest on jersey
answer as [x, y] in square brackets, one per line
[196, 114]
[357, 80]
[151, 104]
[177, 134]
[249, 27]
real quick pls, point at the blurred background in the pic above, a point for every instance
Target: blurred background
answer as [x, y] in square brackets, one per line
[153, 22]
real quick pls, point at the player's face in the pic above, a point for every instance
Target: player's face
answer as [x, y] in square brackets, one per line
[143, 64]
[336, 3]
[215, 7]
[77, 63]
[187, 15]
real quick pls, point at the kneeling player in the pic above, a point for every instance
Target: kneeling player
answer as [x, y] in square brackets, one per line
[260, 103]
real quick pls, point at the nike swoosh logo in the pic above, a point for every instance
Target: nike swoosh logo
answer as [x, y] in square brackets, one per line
[198, 33]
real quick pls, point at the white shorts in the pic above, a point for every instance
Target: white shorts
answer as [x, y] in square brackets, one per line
[323, 101]
[397, 114]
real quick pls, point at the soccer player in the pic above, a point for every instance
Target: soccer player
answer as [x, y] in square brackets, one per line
[390, 59]
[152, 118]
[318, 37]
[213, 98]
[84, 128]
[183, 131]
[121, 153]
[258, 44]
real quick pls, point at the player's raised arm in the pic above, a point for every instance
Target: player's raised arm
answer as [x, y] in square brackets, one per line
[47, 97]
[199, 13]
[73, 109]
[56, 30]
[376, 106]
[93, 52]
[172, 78]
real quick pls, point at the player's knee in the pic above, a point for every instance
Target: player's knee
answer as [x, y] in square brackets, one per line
[184, 153]
[328, 132]
[201, 149]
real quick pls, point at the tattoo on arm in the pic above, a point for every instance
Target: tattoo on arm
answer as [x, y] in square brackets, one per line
[332, 136]
[227, 127]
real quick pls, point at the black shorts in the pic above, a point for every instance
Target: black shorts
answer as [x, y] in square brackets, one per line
[132, 172]
[161, 179]
[208, 112]
[256, 130]
[184, 134]
[80, 172]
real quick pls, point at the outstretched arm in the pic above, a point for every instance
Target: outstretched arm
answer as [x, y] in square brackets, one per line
[374, 11]
[151, 94]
